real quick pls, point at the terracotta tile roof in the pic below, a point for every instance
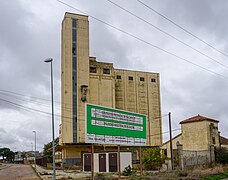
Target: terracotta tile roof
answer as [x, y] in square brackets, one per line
[197, 118]
[223, 140]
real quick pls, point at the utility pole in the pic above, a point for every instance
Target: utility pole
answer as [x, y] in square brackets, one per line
[35, 149]
[49, 60]
[171, 141]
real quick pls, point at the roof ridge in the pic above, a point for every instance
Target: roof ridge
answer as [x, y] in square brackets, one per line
[197, 119]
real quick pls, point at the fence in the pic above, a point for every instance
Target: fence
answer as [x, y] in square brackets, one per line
[41, 161]
[193, 158]
[188, 159]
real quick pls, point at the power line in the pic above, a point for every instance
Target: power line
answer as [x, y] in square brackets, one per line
[146, 42]
[65, 121]
[29, 109]
[168, 34]
[19, 94]
[187, 31]
[24, 100]
[10, 93]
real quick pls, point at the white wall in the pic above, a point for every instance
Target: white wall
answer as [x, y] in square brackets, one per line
[125, 160]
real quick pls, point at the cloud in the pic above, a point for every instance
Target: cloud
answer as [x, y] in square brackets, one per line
[31, 32]
[7, 138]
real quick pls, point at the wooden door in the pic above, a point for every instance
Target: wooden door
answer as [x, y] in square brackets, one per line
[112, 162]
[102, 162]
[87, 162]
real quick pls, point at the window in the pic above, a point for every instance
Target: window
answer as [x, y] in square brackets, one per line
[118, 77]
[74, 51]
[73, 23]
[213, 140]
[106, 71]
[142, 79]
[93, 70]
[153, 80]
[130, 78]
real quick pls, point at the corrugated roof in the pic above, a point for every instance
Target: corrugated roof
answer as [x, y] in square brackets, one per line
[197, 119]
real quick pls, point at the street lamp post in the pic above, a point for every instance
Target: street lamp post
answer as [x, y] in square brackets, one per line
[35, 149]
[49, 60]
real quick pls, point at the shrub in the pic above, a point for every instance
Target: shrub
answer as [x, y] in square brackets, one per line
[221, 156]
[127, 171]
[153, 159]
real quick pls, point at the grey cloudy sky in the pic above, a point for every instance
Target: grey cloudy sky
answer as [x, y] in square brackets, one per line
[31, 32]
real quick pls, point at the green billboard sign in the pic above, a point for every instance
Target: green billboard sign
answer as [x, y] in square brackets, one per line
[113, 126]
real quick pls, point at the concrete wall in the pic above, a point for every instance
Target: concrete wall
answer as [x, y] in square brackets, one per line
[198, 136]
[82, 76]
[125, 160]
[72, 155]
[195, 136]
[174, 142]
[137, 95]
[101, 86]
[141, 95]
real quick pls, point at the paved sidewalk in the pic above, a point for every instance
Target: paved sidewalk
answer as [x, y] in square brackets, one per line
[17, 171]
[61, 174]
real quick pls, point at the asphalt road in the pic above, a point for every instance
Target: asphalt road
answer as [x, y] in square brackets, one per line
[17, 172]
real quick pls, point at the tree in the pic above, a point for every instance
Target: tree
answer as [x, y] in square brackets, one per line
[153, 159]
[221, 155]
[48, 150]
[7, 154]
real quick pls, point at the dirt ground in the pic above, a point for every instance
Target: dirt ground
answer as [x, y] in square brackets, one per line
[194, 174]
[25, 172]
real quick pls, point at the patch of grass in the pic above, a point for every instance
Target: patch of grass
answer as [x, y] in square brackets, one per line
[216, 177]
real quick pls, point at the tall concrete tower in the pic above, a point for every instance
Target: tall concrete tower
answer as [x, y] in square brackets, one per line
[75, 76]
[86, 80]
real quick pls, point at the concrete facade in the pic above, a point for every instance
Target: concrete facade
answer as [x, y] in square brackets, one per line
[85, 80]
[197, 134]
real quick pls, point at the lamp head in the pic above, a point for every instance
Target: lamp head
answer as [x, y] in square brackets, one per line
[48, 60]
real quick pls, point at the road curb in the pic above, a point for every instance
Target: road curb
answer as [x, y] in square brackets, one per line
[38, 174]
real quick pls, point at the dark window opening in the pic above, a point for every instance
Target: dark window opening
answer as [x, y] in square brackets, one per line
[106, 71]
[73, 23]
[93, 69]
[153, 80]
[130, 78]
[165, 152]
[74, 51]
[118, 77]
[142, 79]
[213, 140]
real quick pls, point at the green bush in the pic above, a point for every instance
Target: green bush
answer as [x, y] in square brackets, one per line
[221, 156]
[127, 171]
[153, 158]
